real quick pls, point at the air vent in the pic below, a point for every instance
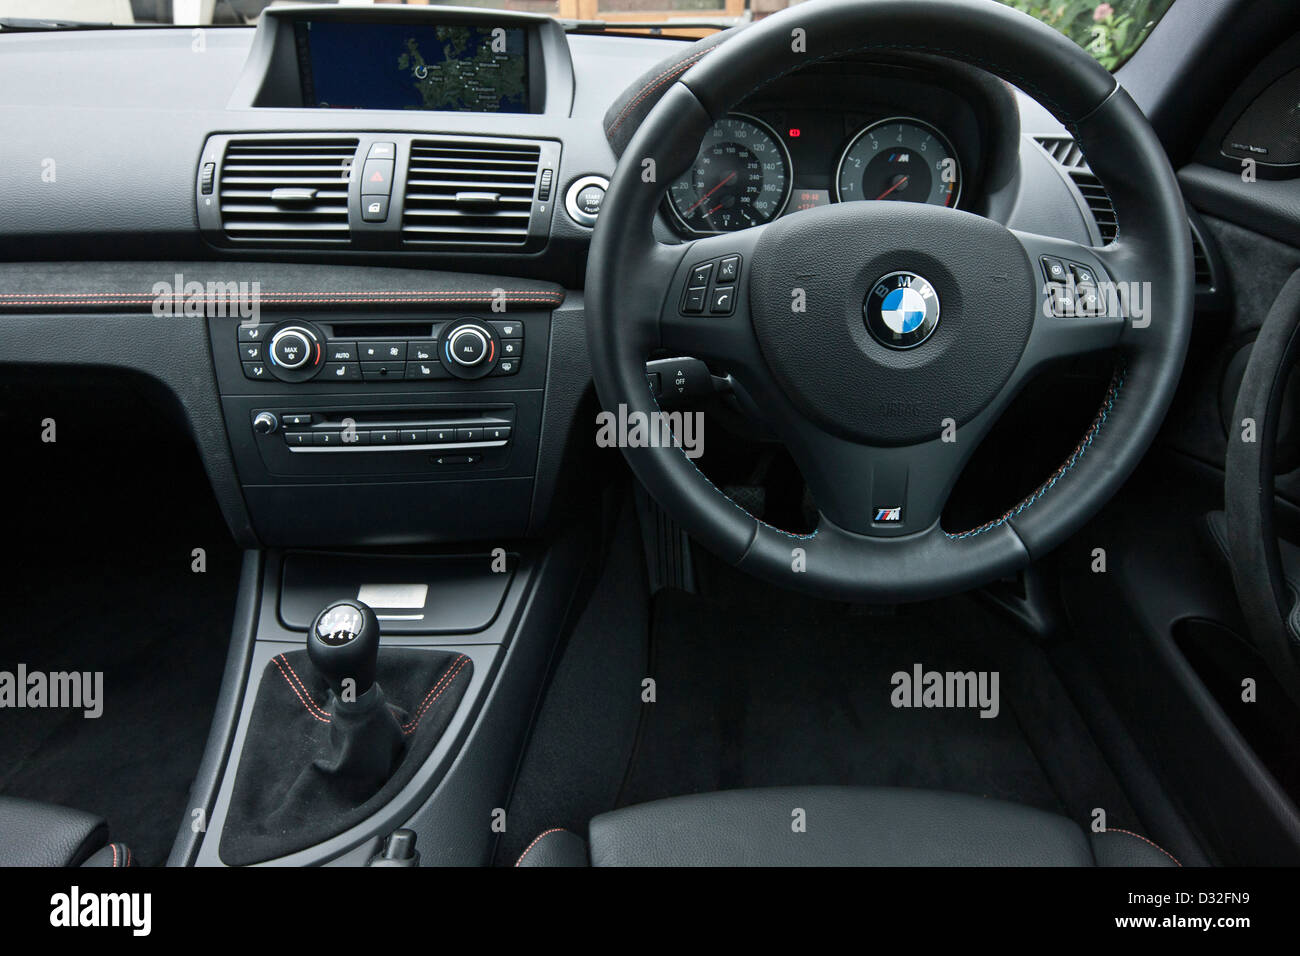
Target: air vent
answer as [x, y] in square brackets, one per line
[286, 190]
[1069, 157]
[469, 193]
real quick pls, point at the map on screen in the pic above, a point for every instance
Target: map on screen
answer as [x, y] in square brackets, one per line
[471, 68]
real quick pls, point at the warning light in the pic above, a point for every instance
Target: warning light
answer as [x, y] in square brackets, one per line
[794, 132]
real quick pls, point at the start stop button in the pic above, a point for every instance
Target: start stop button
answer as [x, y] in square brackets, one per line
[584, 198]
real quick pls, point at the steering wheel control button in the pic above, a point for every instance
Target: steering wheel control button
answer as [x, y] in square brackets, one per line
[1054, 270]
[711, 286]
[583, 199]
[1082, 274]
[901, 310]
[693, 303]
[723, 301]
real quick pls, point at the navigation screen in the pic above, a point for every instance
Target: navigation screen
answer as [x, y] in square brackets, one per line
[393, 66]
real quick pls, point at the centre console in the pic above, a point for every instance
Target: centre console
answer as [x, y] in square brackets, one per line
[364, 428]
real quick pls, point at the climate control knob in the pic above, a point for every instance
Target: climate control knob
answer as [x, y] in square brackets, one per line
[469, 349]
[291, 347]
[467, 345]
[296, 352]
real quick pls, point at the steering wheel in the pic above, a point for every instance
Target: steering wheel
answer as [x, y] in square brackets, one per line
[1269, 602]
[879, 340]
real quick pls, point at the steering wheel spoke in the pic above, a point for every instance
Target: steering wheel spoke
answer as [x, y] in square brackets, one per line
[706, 310]
[1080, 306]
[883, 491]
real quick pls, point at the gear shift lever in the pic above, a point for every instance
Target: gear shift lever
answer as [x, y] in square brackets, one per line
[343, 644]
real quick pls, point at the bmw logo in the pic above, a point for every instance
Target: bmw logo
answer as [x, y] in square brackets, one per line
[901, 310]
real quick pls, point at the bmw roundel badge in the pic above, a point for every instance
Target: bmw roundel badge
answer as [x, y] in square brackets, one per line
[901, 310]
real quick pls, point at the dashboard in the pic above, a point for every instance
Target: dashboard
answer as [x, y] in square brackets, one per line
[418, 369]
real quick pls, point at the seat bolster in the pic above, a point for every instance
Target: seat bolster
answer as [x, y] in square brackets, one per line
[1125, 848]
[835, 826]
[556, 847]
[43, 834]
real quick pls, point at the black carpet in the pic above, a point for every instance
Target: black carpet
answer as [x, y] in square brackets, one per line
[781, 690]
[100, 531]
[760, 687]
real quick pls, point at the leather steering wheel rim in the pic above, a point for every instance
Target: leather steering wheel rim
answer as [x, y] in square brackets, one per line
[1270, 608]
[633, 280]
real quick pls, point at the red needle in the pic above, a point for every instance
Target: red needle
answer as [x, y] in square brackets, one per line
[726, 179]
[901, 182]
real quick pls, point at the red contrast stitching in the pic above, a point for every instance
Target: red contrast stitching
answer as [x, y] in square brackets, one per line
[527, 849]
[114, 847]
[306, 700]
[128, 856]
[428, 293]
[669, 74]
[443, 683]
[116, 298]
[1144, 840]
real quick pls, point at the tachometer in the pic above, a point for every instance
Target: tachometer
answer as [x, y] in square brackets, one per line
[899, 159]
[741, 178]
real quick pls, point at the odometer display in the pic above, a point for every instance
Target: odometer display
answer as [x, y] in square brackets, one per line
[899, 160]
[740, 178]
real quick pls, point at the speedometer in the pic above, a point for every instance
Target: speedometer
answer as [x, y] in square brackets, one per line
[899, 159]
[740, 178]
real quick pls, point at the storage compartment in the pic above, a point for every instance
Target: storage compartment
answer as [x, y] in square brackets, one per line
[436, 594]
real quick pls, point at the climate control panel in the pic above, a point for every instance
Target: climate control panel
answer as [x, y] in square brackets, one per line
[300, 351]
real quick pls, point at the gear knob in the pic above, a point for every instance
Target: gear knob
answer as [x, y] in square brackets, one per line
[343, 643]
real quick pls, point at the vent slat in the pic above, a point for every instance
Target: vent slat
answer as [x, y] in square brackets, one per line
[439, 170]
[253, 168]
